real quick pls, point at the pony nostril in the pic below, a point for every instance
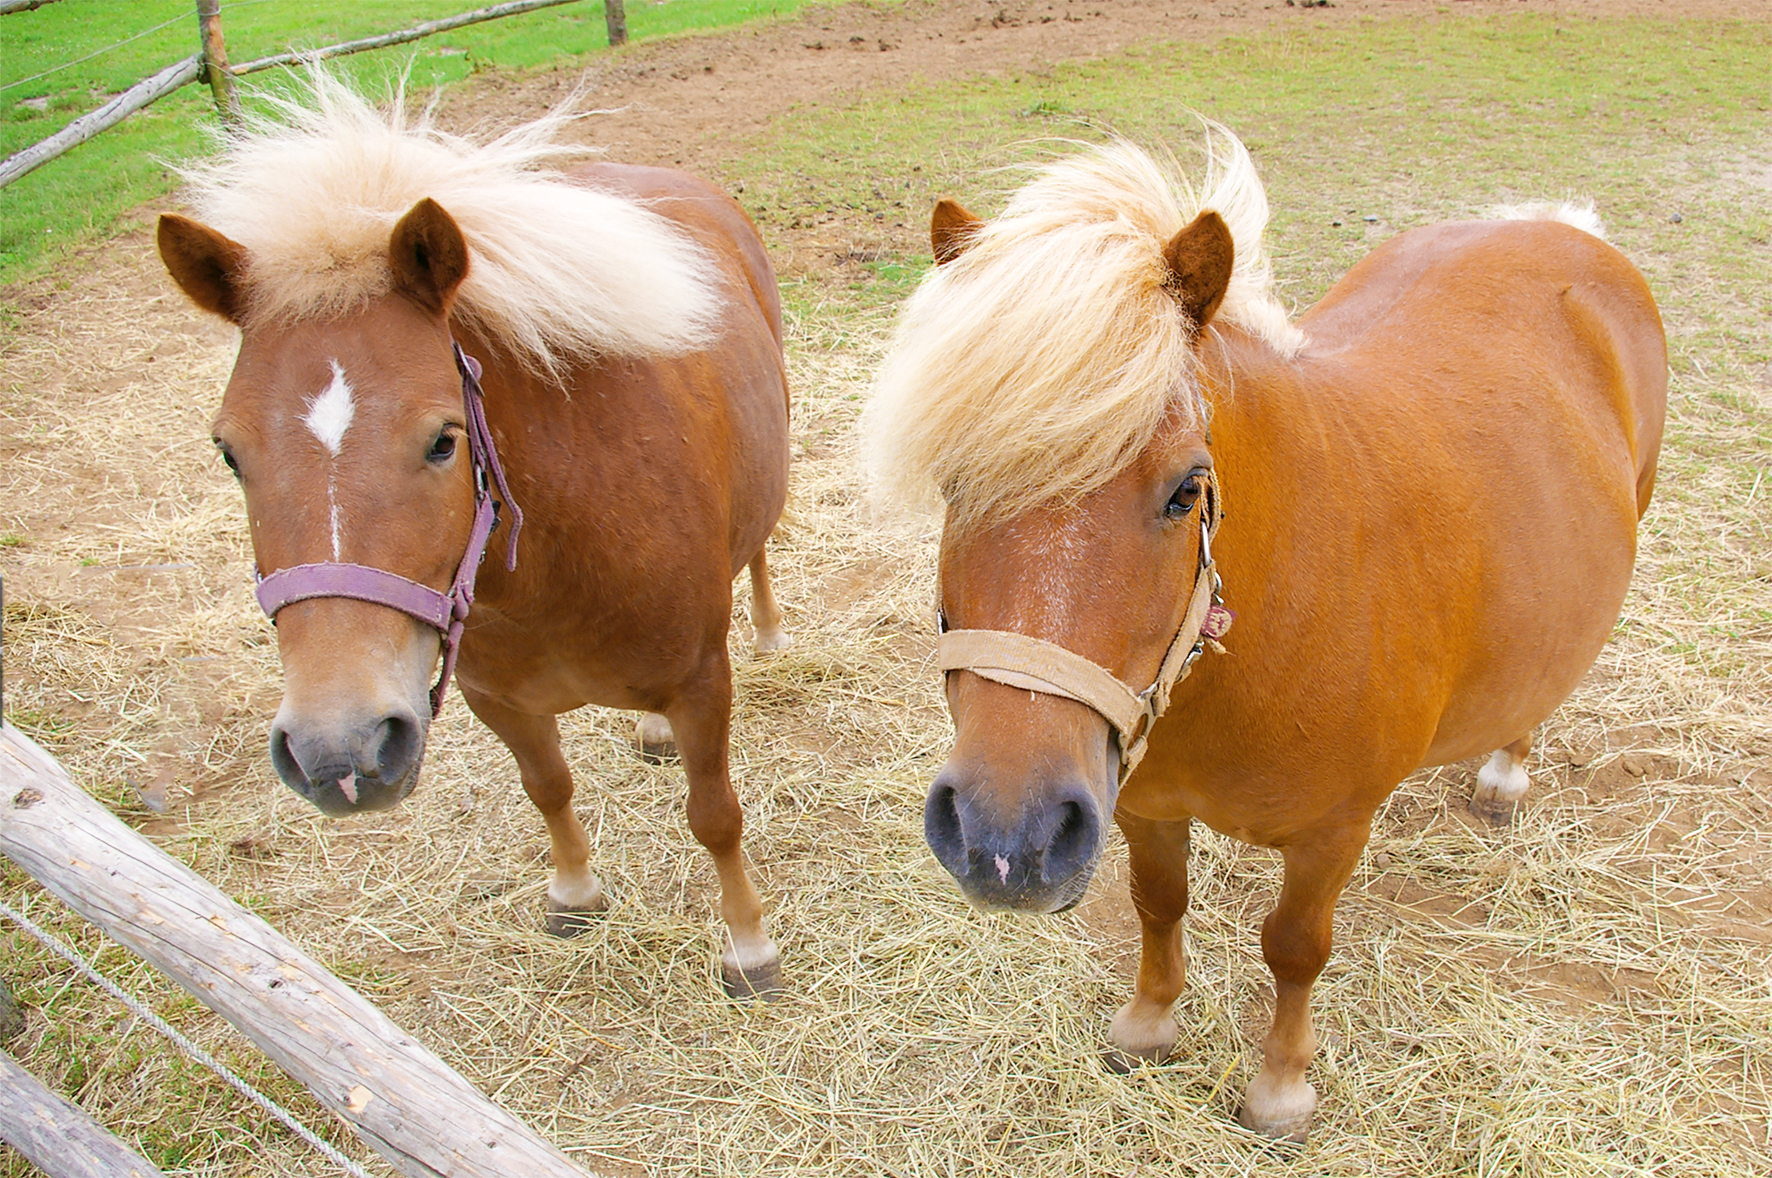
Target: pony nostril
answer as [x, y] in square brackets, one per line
[397, 747]
[941, 826]
[1075, 843]
[284, 762]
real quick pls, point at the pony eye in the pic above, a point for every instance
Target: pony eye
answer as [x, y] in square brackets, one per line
[227, 456]
[443, 448]
[1184, 498]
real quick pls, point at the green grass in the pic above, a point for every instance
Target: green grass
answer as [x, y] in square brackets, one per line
[1409, 121]
[81, 197]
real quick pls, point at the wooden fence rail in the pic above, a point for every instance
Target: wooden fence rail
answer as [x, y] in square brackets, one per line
[403, 1101]
[212, 52]
[57, 1135]
[428, 28]
[106, 116]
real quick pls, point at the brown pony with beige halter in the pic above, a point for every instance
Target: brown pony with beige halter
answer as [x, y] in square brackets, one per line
[1420, 502]
[447, 351]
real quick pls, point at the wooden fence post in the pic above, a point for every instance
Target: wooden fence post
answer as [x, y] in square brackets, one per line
[404, 1102]
[615, 16]
[215, 62]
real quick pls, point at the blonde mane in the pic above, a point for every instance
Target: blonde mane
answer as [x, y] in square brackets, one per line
[557, 271]
[1037, 364]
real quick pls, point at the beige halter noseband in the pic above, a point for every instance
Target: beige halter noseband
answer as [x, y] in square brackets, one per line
[1033, 664]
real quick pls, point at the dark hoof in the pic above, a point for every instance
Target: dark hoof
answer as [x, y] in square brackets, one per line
[1122, 1062]
[660, 753]
[570, 922]
[762, 982]
[1494, 811]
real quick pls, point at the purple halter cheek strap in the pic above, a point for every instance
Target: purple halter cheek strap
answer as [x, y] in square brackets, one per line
[446, 612]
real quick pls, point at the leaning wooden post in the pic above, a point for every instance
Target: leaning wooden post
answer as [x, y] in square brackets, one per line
[56, 1133]
[615, 15]
[403, 1101]
[215, 62]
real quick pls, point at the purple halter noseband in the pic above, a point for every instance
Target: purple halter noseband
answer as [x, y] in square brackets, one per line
[446, 612]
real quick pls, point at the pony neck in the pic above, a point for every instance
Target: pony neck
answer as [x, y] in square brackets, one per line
[1256, 398]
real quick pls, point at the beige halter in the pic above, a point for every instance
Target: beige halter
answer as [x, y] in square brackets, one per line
[1033, 664]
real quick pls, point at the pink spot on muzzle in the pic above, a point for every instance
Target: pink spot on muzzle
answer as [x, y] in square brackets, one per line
[347, 785]
[1002, 867]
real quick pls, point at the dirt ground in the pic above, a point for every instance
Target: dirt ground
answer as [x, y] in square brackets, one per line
[692, 103]
[152, 647]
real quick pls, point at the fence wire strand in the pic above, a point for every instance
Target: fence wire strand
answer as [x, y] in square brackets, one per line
[68, 65]
[72, 956]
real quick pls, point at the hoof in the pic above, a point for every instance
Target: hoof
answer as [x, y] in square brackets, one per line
[657, 753]
[570, 922]
[769, 643]
[1494, 811]
[1295, 1131]
[763, 981]
[1122, 1062]
[655, 739]
[1282, 1112]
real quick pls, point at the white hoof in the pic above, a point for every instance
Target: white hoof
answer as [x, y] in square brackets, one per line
[656, 740]
[1142, 1031]
[1501, 783]
[1277, 1109]
[770, 641]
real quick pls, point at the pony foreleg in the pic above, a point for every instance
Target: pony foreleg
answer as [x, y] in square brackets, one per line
[1502, 782]
[1144, 1029]
[1295, 941]
[701, 717]
[765, 614]
[573, 892]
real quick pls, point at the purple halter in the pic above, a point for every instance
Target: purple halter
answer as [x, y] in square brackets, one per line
[446, 612]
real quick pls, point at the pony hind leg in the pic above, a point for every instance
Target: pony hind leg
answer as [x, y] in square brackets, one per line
[574, 894]
[765, 614]
[750, 964]
[1295, 941]
[1144, 1030]
[1501, 783]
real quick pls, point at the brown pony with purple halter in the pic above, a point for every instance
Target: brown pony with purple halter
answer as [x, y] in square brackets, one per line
[1430, 491]
[632, 428]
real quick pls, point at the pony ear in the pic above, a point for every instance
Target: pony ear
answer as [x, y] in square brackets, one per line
[1199, 260]
[951, 229]
[205, 264]
[429, 256]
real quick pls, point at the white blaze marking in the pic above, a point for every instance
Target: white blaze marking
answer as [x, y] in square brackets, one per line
[329, 416]
[330, 413]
